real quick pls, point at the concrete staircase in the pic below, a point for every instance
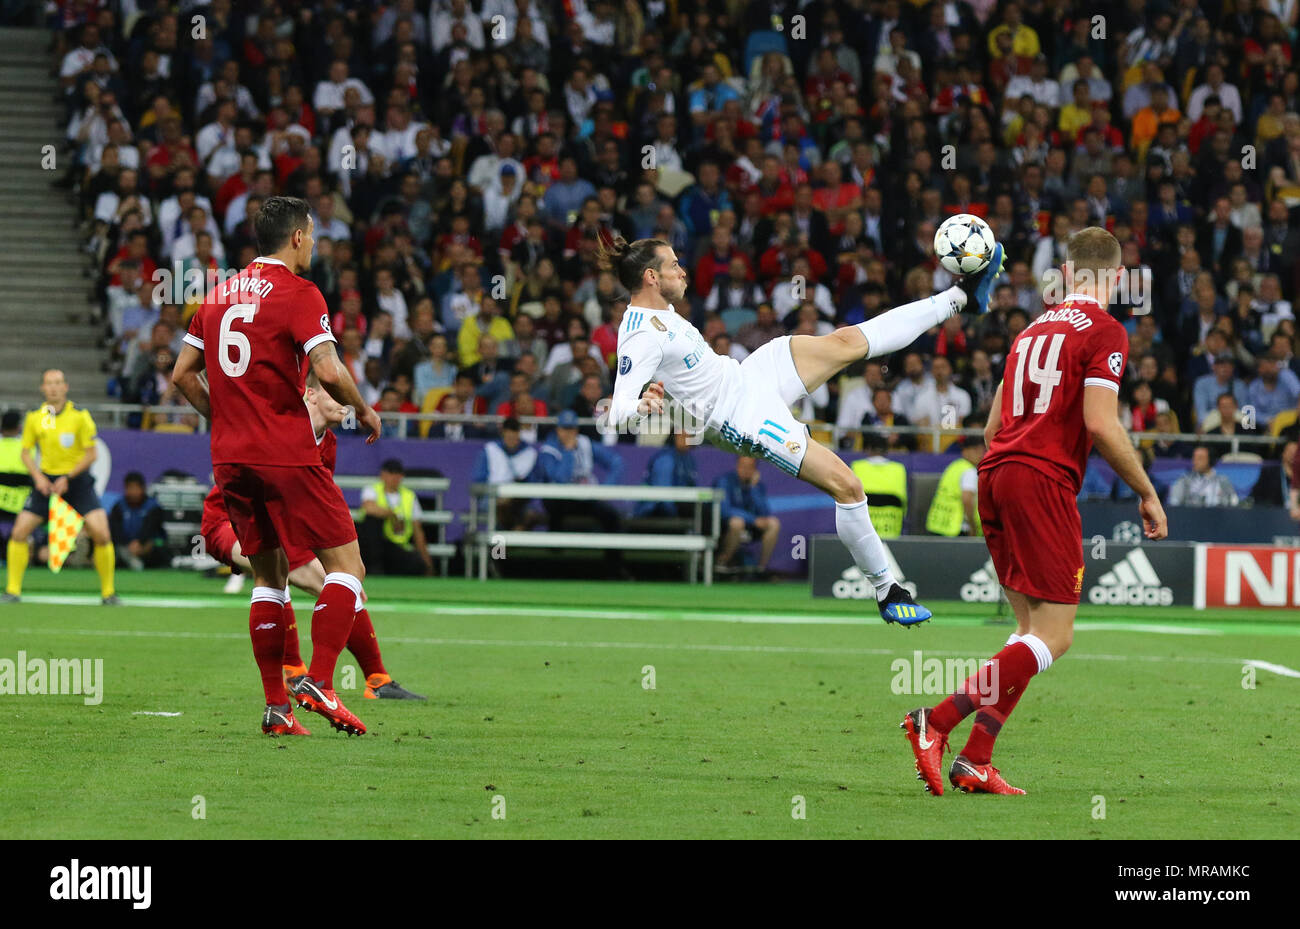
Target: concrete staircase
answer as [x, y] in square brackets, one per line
[45, 277]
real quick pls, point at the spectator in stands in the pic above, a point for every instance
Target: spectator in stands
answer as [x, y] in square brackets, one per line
[136, 524]
[1201, 486]
[392, 536]
[509, 460]
[746, 512]
[671, 466]
[1209, 387]
[942, 403]
[1275, 389]
[1230, 420]
[1169, 448]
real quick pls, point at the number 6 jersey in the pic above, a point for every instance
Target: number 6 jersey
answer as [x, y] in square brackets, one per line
[255, 331]
[1074, 345]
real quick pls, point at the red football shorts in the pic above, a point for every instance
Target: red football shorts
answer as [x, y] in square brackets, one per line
[271, 503]
[219, 539]
[1031, 524]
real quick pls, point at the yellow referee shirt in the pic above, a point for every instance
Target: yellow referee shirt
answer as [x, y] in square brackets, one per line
[62, 439]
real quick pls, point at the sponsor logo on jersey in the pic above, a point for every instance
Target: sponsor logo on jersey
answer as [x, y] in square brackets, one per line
[658, 324]
[1116, 363]
[982, 586]
[1131, 582]
[624, 365]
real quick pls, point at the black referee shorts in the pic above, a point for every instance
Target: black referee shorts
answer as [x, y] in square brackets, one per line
[81, 496]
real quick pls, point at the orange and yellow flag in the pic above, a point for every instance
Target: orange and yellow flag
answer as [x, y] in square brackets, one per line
[65, 524]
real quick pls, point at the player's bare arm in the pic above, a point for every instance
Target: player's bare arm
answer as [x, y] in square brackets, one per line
[995, 418]
[337, 382]
[187, 376]
[39, 480]
[1101, 417]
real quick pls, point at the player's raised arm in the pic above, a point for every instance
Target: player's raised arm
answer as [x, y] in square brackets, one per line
[1101, 418]
[337, 381]
[638, 359]
[187, 376]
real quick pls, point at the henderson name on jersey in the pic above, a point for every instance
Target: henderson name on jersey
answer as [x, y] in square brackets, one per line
[1074, 345]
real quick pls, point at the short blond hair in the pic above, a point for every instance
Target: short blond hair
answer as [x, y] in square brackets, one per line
[1093, 249]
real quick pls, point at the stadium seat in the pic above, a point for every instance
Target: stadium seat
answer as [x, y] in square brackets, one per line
[1098, 481]
[1282, 421]
[1243, 474]
[430, 405]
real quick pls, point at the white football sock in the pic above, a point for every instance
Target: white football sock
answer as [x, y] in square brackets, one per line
[853, 525]
[898, 328]
[1040, 650]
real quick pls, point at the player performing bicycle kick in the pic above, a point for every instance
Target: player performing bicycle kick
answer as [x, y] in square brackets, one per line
[745, 406]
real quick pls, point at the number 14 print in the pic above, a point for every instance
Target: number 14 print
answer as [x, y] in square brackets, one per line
[1044, 373]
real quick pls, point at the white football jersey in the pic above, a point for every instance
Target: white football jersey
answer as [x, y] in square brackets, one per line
[660, 345]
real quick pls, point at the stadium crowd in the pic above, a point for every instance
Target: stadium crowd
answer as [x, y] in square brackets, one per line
[463, 160]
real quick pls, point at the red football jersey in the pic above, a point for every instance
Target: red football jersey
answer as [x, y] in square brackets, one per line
[255, 331]
[1071, 346]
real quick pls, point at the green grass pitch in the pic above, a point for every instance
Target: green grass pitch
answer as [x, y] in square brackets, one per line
[539, 709]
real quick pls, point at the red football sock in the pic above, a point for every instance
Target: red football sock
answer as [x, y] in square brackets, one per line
[331, 624]
[975, 691]
[292, 655]
[365, 646]
[1015, 665]
[266, 629]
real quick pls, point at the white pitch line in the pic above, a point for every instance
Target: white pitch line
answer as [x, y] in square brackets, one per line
[671, 646]
[153, 713]
[1145, 627]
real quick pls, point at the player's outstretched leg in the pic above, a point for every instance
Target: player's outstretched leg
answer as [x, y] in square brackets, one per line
[266, 629]
[979, 287]
[972, 778]
[827, 471]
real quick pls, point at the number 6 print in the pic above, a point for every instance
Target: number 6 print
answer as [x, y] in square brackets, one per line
[230, 338]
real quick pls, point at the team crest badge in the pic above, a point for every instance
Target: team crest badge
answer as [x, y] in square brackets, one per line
[1078, 578]
[1116, 362]
[792, 446]
[654, 321]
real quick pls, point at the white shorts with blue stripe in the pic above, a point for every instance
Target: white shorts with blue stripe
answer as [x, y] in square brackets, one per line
[757, 421]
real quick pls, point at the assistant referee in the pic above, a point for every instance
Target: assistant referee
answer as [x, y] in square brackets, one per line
[66, 438]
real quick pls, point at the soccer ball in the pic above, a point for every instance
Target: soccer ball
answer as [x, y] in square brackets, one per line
[964, 244]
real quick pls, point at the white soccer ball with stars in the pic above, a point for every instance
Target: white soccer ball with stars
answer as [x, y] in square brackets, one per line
[964, 244]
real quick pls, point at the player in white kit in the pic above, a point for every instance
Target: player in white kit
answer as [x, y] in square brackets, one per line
[744, 407]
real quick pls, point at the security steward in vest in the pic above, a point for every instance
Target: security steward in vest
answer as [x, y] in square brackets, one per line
[65, 436]
[392, 538]
[15, 482]
[953, 511]
[885, 484]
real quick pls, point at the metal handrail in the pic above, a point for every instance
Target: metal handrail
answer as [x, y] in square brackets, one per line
[115, 416]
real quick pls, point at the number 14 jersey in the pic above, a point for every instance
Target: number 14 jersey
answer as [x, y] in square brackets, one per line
[255, 331]
[1075, 344]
